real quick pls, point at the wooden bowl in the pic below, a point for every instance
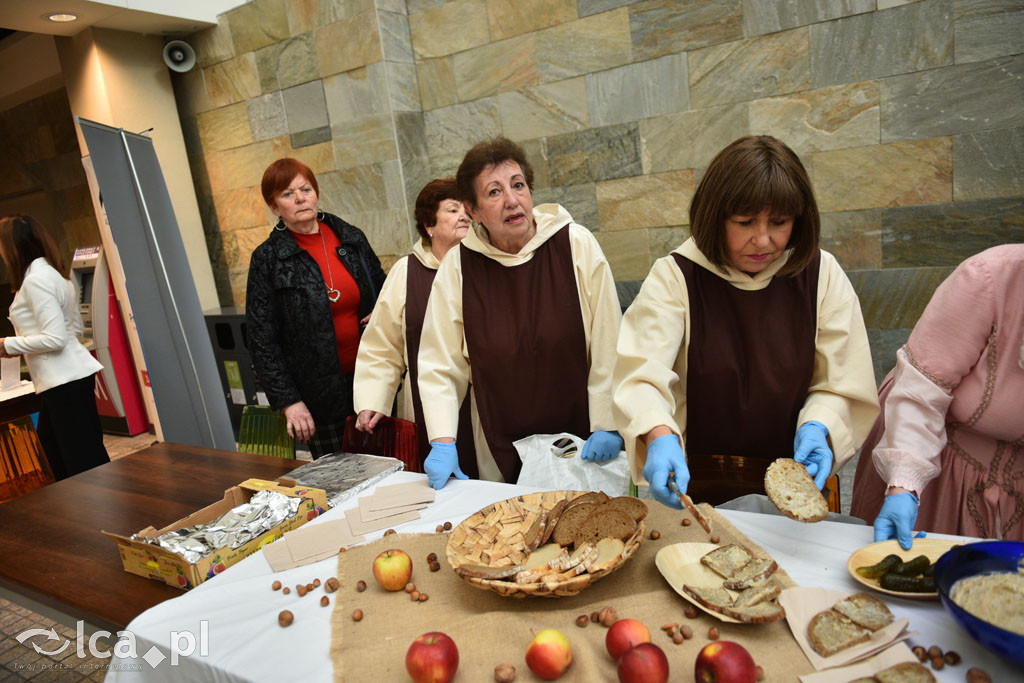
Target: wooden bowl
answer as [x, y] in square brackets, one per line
[871, 554]
[495, 537]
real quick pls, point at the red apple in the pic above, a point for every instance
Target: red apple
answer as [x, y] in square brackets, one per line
[645, 663]
[724, 661]
[624, 634]
[392, 569]
[432, 658]
[549, 654]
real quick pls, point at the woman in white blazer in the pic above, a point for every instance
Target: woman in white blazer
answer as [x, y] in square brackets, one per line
[47, 324]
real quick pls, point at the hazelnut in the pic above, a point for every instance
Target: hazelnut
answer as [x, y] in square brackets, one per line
[301, 590]
[447, 526]
[432, 557]
[410, 587]
[759, 672]
[435, 566]
[324, 601]
[439, 529]
[389, 532]
[342, 549]
[331, 585]
[714, 539]
[285, 618]
[275, 586]
[934, 651]
[357, 615]
[690, 611]
[677, 638]
[713, 633]
[360, 585]
[608, 616]
[937, 663]
[686, 521]
[316, 583]
[595, 617]
[414, 595]
[952, 658]
[582, 620]
[976, 675]
[286, 590]
[670, 626]
[920, 653]
[309, 587]
[424, 597]
[655, 535]
[686, 631]
[504, 673]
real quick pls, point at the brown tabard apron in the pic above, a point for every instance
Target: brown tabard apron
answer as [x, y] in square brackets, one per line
[527, 347]
[748, 369]
[417, 292]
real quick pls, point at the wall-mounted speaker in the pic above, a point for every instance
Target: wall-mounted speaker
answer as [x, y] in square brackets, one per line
[179, 56]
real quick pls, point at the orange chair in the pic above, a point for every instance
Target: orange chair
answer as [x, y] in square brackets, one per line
[392, 437]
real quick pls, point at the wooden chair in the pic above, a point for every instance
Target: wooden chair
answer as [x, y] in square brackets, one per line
[392, 437]
[265, 432]
[23, 465]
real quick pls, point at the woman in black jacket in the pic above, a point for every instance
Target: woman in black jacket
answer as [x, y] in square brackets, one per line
[312, 285]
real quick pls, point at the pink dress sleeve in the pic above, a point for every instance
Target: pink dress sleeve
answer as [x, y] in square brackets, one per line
[946, 344]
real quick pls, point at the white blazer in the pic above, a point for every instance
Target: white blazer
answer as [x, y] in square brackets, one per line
[47, 323]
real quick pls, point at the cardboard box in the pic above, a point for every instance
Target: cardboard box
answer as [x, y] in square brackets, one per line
[154, 562]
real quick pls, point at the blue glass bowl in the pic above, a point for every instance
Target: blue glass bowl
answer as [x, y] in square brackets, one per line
[981, 558]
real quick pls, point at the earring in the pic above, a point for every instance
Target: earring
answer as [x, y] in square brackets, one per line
[320, 216]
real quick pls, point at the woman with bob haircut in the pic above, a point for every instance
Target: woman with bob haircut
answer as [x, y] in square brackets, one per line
[526, 309]
[747, 343]
[312, 285]
[47, 324]
[391, 341]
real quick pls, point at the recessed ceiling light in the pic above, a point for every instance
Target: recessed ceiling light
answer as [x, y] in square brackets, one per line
[61, 17]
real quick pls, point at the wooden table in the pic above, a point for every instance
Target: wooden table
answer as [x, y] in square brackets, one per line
[53, 551]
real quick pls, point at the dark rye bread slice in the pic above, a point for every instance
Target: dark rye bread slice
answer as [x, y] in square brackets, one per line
[793, 492]
[605, 522]
[570, 520]
[591, 497]
[905, 672]
[761, 613]
[634, 507]
[830, 632]
[727, 560]
[758, 569]
[865, 610]
[553, 516]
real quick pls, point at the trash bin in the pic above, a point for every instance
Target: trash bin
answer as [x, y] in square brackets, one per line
[226, 327]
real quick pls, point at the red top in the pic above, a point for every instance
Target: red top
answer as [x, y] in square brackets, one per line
[345, 310]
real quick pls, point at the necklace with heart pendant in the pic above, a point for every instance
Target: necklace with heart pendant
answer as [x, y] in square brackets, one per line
[332, 293]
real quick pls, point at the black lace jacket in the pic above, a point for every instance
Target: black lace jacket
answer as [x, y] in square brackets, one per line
[290, 330]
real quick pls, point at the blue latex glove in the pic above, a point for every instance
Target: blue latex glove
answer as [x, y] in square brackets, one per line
[896, 519]
[810, 448]
[442, 463]
[602, 446]
[665, 455]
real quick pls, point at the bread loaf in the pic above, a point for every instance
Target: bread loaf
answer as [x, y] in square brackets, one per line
[830, 632]
[793, 492]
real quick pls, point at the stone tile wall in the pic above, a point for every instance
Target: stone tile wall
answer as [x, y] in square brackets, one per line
[907, 115]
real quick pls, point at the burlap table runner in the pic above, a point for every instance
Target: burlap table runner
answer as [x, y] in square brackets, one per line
[489, 629]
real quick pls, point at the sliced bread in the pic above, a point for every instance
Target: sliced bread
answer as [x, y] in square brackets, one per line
[865, 610]
[716, 599]
[605, 522]
[793, 492]
[609, 551]
[553, 515]
[591, 497]
[905, 672]
[570, 520]
[761, 613]
[492, 573]
[544, 555]
[634, 507]
[758, 569]
[830, 632]
[762, 591]
[535, 534]
[727, 560]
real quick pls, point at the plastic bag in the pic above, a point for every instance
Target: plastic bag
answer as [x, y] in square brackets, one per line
[552, 461]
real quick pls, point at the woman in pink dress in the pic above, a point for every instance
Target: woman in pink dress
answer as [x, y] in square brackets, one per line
[951, 431]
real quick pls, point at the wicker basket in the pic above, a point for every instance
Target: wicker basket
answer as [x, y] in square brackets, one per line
[494, 537]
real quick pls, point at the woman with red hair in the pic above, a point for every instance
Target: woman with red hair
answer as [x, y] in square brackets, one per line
[312, 285]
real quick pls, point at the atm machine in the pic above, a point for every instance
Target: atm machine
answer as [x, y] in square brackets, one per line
[118, 397]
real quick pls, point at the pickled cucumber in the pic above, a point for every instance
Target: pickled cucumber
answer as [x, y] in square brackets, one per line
[914, 567]
[907, 584]
[876, 570]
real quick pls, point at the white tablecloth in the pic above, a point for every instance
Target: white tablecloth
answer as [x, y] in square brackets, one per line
[246, 644]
